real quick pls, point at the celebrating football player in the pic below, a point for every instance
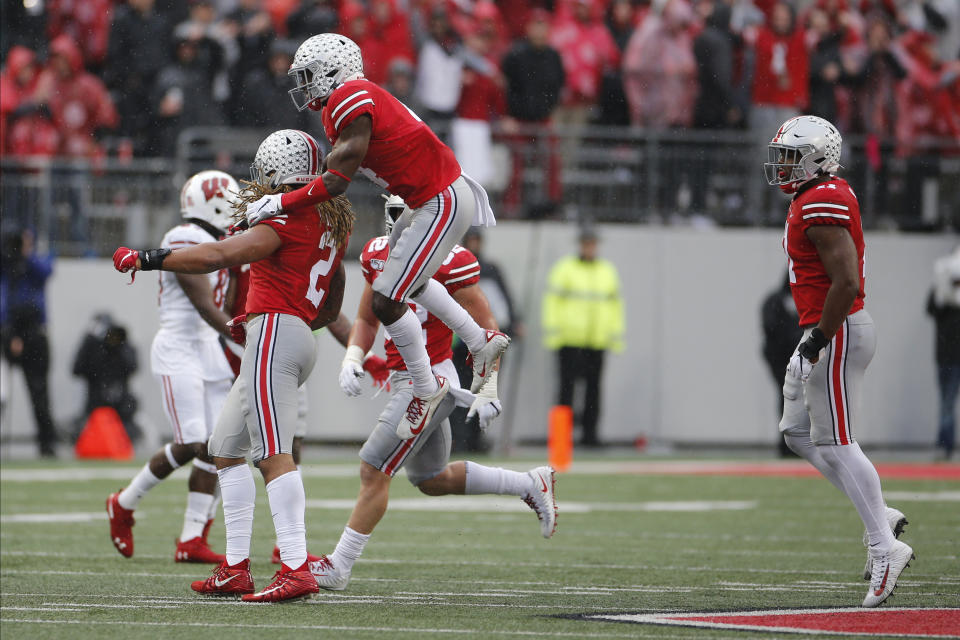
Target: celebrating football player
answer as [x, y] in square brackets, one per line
[823, 240]
[427, 452]
[187, 360]
[296, 283]
[374, 133]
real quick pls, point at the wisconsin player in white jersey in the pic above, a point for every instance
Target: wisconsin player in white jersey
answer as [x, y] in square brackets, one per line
[426, 454]
[823, 240]
[376, 135]
[194, 376]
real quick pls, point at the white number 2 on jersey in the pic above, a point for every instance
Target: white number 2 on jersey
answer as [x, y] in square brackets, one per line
[320, 269]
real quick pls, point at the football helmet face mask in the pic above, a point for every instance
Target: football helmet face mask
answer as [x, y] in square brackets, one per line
[803, 148]
[288, 156]
[322, 63]
[393, 208]
[209, 196]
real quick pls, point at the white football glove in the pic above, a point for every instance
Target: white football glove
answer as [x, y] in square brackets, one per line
[266, 207]
[486, 406]
[799, 367]
[807, 354]
[351, 371]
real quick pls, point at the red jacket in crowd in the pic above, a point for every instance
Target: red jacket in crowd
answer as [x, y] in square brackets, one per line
[781, 75]
[87, 22]
[587, 49]
[78, 100]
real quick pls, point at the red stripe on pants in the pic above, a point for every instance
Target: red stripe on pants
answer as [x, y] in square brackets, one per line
[427, 249]
[391, 467]
[837, 375]
[172, 408]
[263, 387]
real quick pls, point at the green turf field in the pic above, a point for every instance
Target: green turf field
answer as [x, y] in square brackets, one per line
[471, 567]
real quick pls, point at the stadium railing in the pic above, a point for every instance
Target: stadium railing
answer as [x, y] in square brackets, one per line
[606, 173]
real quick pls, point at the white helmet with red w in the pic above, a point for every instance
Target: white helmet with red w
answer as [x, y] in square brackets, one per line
[209, 196]
[288, 156]
[323, 63]
[803, 148]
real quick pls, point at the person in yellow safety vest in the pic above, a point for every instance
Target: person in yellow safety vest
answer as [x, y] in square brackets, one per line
[583, 319]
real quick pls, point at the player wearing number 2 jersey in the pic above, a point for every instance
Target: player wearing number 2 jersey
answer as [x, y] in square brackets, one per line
[375, 134]
[823, 240]
[296, 282]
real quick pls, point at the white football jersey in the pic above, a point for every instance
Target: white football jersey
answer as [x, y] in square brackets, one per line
[185, 342]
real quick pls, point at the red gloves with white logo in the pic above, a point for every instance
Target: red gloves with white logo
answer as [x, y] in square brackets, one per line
[238, 329]
[377, 368]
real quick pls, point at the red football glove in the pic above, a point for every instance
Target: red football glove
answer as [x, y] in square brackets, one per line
[377, 368]
[238, 329]
[125, 259]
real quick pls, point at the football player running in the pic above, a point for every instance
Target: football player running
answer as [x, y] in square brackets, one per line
[194, 375]
[296, 283]
[426, 454]
[374, 133]
[823, 240]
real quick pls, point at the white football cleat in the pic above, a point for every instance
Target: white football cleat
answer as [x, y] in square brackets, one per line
[485, 359]
[421, 410]
[898, 522]
[886, 569]
[543, 500]
[328, 576]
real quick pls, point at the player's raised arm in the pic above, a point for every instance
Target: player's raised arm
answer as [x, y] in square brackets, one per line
[255, 244]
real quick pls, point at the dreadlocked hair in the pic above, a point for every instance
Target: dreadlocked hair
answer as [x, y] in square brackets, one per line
[336, 213]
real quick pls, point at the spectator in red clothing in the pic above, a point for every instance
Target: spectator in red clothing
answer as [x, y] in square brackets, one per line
[78, 101]
[488, 25]
[928, 107]
[87, 22]
[781, 86]
[587, 50]
[660, 70]
[17, 83]
[390, 27]
[481, 100]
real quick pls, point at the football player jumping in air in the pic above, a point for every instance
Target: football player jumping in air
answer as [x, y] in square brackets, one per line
[427, 453]
[823, 240]
[296, 283]
[374, 133]
[188, 361]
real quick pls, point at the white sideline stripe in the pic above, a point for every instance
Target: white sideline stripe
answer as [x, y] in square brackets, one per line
[72, 475]
[510, 503]
[63, 516]
[922, 496]
[328, 627]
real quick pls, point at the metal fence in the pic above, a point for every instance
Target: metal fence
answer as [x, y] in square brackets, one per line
[607, 174]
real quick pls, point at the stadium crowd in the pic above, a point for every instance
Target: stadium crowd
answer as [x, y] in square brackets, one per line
[84, 78]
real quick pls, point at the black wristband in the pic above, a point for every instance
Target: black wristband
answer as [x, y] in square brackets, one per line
[152, 259]
[810, 347]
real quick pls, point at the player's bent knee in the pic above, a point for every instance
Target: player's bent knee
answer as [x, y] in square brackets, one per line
[199, 451]
[182, 453]
[797, 432]
[387, 311]
[370, 475]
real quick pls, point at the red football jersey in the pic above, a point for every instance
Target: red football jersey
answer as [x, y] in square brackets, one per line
[459, 270]
[404, 157]
[830, 202]
[296, 277]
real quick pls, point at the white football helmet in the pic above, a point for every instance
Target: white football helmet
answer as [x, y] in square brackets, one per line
[321, 64]
[288, 156]
[803, 148]
[209, 196]
[392, 209]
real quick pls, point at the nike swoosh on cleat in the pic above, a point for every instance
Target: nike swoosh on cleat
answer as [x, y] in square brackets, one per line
[219, 583]
[879, 592]
[483, 372]
[420, 427]
[543, 482]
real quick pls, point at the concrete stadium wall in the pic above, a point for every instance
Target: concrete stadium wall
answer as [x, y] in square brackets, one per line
[691, 372]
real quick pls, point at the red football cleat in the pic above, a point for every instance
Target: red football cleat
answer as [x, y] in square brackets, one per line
[288, 584]
[197, 550]
[121, 525]
[227, 580]
[275, 556]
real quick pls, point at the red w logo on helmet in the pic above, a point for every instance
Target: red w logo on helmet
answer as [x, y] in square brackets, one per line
[213, 187]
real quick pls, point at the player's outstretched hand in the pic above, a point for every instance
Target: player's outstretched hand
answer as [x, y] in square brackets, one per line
[377, 368]
[266, 207]
[125, 259]
[351, 371]
[238, 329]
